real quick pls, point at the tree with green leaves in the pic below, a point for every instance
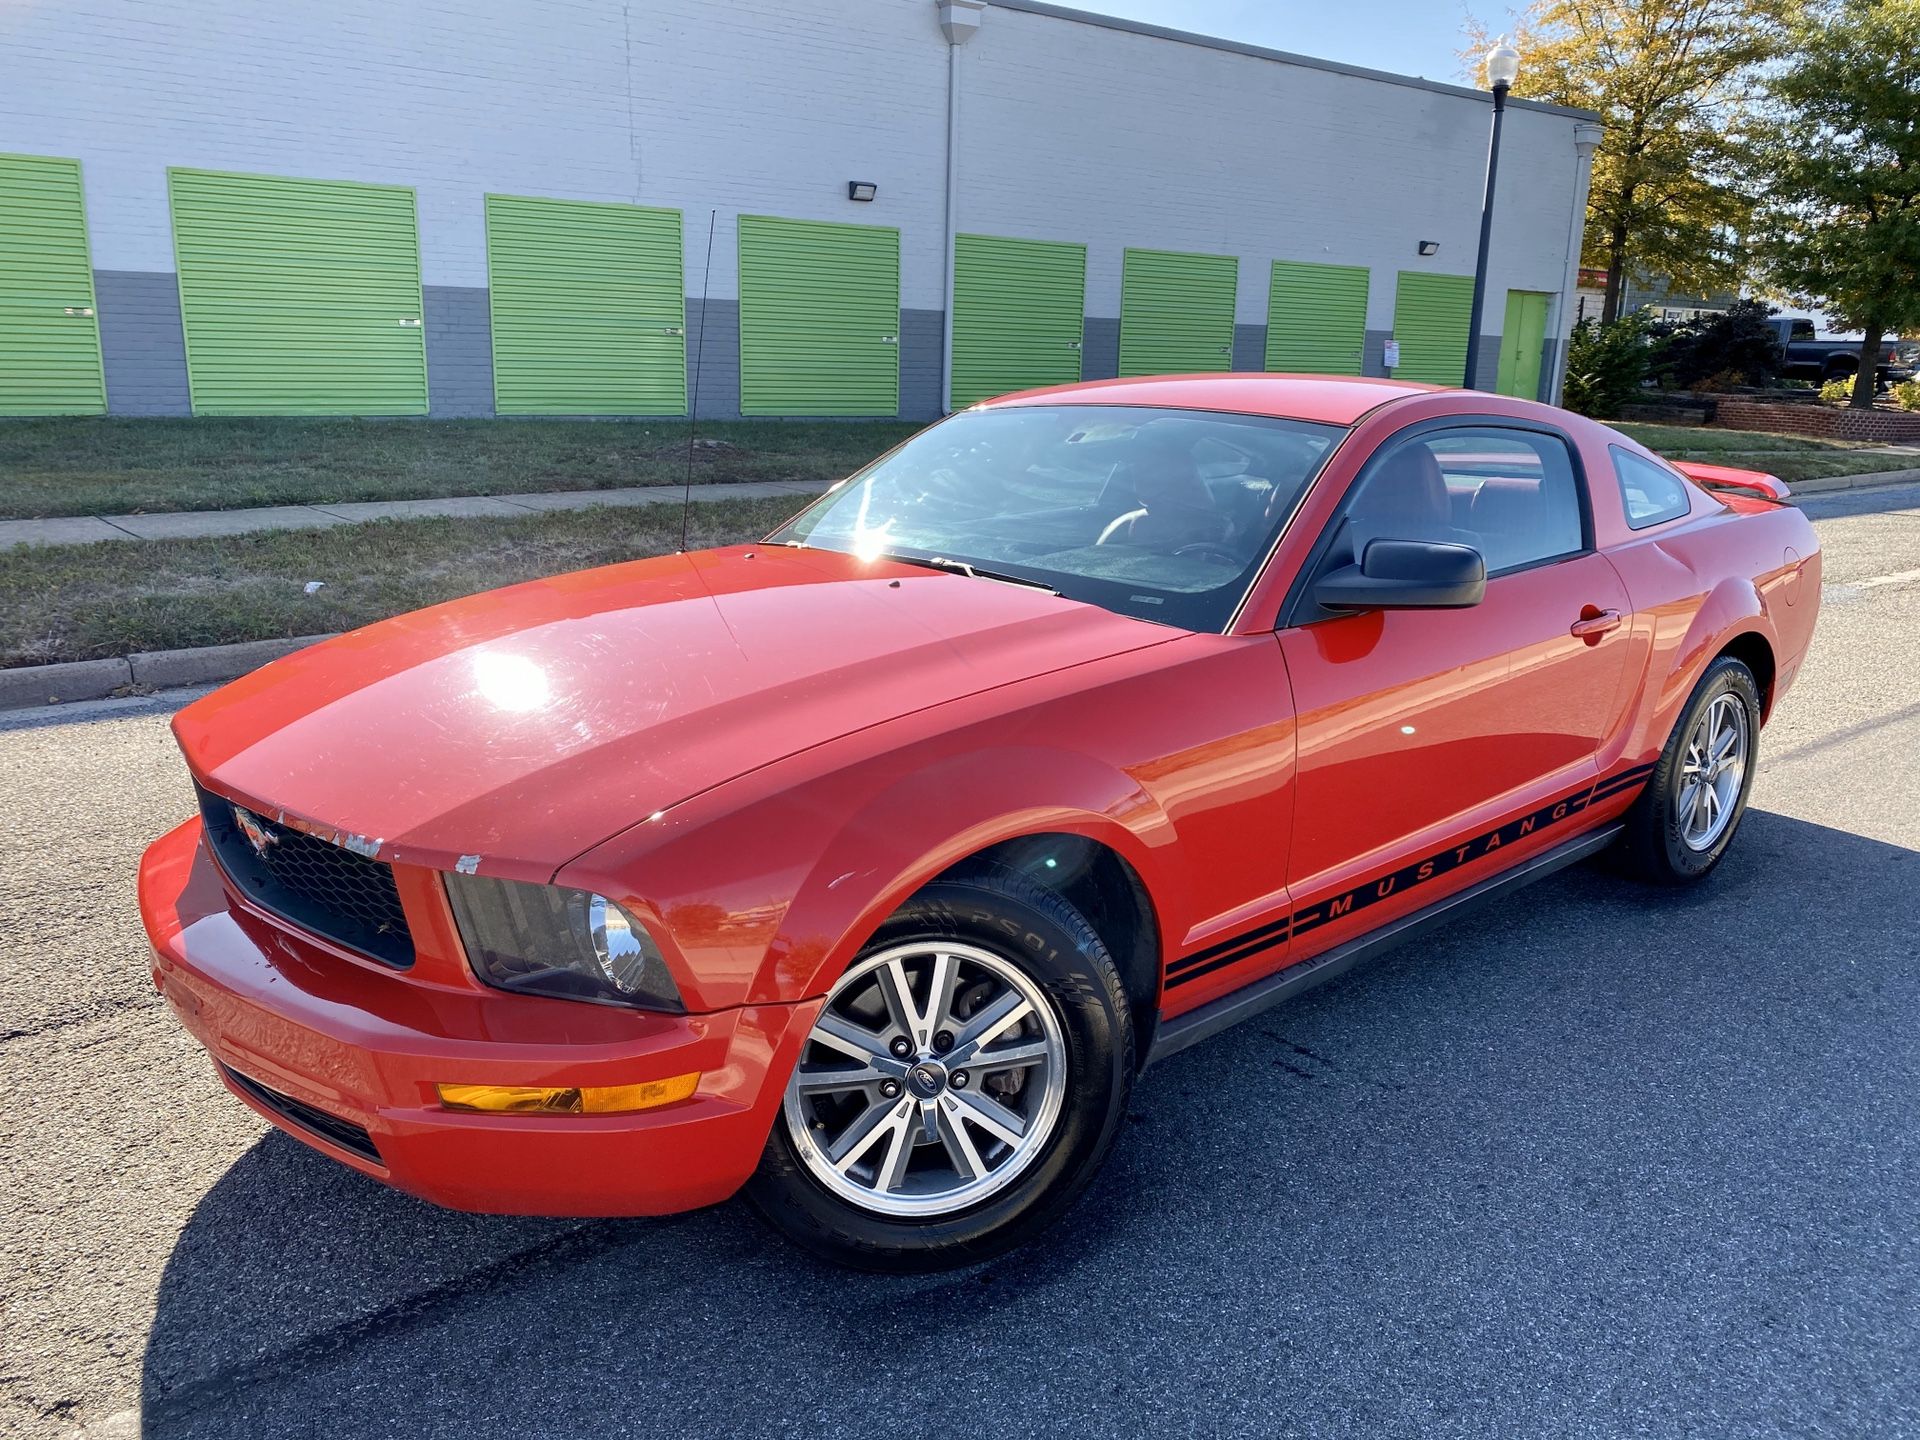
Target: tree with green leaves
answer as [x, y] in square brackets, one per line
[1673, 80]
[1838, 225]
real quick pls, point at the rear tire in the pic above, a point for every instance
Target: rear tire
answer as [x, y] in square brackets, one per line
[982, 1130]
[1683, 822]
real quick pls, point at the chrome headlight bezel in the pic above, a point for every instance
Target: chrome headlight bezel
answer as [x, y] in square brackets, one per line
[559, 942]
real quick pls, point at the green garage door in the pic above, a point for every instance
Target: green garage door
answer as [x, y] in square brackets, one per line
[1019, 309]
[819, 318]
[1523, 341]
[588, 306]
[1430, 316]
[49, 337]
[1176, 312]
[1316, 318]
[298, 297]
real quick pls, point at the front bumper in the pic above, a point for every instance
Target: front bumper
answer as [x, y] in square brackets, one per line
[287, 1015]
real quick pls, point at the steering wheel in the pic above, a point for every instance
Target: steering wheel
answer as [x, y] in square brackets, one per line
[1209, 549]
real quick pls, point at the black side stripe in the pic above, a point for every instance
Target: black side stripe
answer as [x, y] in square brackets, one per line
[1272, 933]
[1625, 780]
[1258, 938]
[1194, 966]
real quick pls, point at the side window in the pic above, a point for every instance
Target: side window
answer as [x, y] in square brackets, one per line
[1511, 494]
[1650, 492]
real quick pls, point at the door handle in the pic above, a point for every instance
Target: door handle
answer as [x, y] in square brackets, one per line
[1593, 623]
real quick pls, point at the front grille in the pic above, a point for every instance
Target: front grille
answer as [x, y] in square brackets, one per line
[319, 886]
[344, 1133]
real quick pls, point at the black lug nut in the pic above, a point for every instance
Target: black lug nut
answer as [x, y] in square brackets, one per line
[901, 1046]
[943, 1042]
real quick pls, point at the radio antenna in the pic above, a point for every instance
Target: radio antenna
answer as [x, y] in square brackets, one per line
[693, 392]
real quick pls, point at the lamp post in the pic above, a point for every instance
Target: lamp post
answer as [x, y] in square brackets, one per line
[1503, 68]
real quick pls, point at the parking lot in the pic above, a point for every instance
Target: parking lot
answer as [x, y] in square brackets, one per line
[1602, 1161]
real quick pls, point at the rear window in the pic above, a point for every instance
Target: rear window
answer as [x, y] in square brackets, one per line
[1651, 493]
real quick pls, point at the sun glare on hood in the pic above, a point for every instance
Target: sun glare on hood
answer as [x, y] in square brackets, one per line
[510, 682]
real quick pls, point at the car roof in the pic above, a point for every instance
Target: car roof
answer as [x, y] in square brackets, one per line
[1328, 399]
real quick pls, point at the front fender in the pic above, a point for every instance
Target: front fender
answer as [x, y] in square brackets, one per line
[770, 892]
[939, 816]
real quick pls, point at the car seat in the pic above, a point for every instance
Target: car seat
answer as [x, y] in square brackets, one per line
[1172, 505]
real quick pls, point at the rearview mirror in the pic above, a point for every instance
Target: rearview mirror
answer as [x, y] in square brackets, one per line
[1406, 575]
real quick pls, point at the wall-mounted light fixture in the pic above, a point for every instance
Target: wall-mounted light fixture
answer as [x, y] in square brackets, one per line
[1429, 247]
[861, 189]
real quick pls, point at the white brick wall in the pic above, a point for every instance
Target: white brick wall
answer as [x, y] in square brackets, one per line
[1077, 132]
[1069, 130]
[764, 107]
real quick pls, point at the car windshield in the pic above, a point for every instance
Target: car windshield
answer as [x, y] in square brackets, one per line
[1161, 514]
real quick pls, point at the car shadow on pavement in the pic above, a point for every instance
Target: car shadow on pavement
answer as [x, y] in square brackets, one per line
[1605, 1151]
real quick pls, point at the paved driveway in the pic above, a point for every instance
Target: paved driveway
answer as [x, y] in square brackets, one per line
[1601, 1162]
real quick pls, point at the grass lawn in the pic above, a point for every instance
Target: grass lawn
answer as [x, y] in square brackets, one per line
[81, 602]
[1791, 457]
[95, 466]
[107, 466]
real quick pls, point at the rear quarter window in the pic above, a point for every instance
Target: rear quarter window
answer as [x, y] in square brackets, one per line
[1650, 493]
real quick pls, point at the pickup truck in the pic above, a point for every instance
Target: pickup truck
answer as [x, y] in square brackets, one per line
[1804, 357]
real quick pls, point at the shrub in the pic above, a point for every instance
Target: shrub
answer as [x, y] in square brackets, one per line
[1838, 391]
[1716, 351]
[1907, 395]
[1722, 382]
[1606, 365]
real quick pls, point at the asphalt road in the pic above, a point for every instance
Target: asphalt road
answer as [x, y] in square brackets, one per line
[1602, 1162]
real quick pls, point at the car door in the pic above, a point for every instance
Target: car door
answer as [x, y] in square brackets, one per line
[1421, 728]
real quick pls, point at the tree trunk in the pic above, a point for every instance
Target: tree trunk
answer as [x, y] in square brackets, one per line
[1867, 379]
[1616, 273]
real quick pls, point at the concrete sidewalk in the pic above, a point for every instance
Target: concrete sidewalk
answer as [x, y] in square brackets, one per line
[199, 524]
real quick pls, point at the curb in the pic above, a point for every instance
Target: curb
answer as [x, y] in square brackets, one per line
[27, 686]
[31, 685]
[1828, 483]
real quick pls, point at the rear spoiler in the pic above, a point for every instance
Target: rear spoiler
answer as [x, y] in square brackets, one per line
[1751, 483]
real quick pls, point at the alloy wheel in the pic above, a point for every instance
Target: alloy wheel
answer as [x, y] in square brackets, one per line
[1712, 768]
[933, 1077]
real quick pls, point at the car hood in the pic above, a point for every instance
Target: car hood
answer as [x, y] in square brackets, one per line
[513, 730]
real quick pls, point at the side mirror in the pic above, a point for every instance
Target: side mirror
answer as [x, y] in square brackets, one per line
[1406, 575]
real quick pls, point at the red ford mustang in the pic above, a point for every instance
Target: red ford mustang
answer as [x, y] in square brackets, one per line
[864, 867]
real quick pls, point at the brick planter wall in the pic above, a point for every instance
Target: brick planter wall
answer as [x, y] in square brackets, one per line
[1826, 422]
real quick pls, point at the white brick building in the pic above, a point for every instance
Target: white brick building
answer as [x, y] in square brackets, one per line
[1018, 120]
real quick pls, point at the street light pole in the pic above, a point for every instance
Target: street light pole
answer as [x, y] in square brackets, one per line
[1503, 68]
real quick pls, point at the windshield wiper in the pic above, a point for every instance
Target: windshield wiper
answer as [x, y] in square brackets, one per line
[967, 568]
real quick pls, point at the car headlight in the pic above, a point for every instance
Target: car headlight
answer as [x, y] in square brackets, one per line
[549, 940]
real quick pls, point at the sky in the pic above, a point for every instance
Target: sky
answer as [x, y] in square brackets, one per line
[1407, 37]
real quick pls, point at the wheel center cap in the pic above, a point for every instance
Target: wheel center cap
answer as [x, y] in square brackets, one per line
[927, 1079]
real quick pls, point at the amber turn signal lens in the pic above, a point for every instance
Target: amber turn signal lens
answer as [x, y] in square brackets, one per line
[563, 1100]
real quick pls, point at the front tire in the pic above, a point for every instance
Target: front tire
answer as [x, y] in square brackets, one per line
[961, 1085]
[1683, 822]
